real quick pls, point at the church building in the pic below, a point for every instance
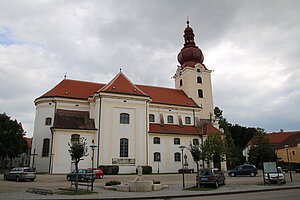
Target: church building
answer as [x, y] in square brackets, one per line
[130, 124]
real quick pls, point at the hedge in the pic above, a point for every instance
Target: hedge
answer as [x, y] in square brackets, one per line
[109, 169]
[146, 170]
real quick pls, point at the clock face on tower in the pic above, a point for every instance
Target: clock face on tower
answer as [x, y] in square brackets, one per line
[198, 70]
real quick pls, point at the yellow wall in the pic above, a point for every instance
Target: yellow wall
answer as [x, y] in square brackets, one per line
[281, 153]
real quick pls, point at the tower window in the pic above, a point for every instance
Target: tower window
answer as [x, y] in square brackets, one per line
[199, 79]
[48, 121]
[156, 157]
[45, 150]
[187, 120]
[123, 147]
[180, 82]
[170, 119]
[151, 118]
[176, 141]
[156, 140]
[124, 118]
[200, 93]
[177, 156]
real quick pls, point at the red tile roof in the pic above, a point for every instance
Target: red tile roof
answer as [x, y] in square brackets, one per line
[210, 129]
[29, 142]
[82, 90]
[174, 129]
[291, 140]
[121, 84]
[277, 137]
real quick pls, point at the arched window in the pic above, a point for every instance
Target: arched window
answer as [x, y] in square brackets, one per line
[177, 156]
[124, 118]
[200, 93]
[170, 119]
[176, 141]
[123, 147]
[157, 157]
[75, 137]
[195, 142]
[156, 140]
[180, 82]
[199, 79]
[151, 118]
[187, 120]
[45, 150]
[48, 121]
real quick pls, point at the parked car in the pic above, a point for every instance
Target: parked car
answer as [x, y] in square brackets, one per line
[99, 173]
[83, 175]
[21, 174]
[212, 177]
[273, 177]
[245, 169]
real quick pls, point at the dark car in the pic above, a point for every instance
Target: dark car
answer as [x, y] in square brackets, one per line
[83, 175]
[246, 169]
[21, 174]
[213, 177]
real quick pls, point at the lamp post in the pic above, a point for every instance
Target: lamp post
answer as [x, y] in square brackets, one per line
[93, 146]
[182, 148]
[287, 154]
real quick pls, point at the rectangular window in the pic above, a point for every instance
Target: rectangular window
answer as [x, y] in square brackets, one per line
[177, 157]
[200, 93]
[123, 147]
[48, 121]
[45, 151]
[157, 157]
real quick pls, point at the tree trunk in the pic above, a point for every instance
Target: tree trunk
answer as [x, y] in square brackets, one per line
[76, 179]
[198, 174]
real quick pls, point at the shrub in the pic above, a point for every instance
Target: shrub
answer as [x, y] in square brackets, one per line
[146, 170]
[109, 169]
[156, 182]
[112, 182]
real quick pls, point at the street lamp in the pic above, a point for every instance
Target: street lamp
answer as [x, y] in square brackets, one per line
[93, 146]
[287, 154]
[182, 148]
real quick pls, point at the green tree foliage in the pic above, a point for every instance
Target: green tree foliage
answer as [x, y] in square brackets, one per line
[214, 149]
[261, 150]
[78, 150]
[197, 155]
[12, 143]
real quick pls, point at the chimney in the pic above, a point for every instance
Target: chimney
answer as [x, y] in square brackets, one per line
[281, 130]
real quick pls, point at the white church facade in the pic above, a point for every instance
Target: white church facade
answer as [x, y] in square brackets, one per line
[130, 124]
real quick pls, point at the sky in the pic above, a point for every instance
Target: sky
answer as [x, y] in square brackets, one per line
[252, 46]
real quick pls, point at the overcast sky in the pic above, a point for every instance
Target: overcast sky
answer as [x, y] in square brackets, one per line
[252, 46]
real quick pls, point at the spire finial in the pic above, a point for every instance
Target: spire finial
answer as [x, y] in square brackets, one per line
[65, 76]
[187, 21]
[120, 69]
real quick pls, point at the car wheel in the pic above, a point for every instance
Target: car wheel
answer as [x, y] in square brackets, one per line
[216, 184]
[224, 182]
[252, 174]
[5, 177]
[101, 176]
[32, 179]
[232, 174]
[18, 179]
[68, 178]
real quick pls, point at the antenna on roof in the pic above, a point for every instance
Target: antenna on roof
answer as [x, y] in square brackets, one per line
[65, 76]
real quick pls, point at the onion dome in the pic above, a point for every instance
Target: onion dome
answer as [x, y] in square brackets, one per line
[190, 54]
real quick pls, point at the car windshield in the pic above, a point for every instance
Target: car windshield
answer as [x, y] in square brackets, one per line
[205, 172]
[29, 170]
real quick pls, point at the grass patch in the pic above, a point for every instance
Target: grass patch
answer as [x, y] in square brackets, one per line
[199, 189]
[80, 192]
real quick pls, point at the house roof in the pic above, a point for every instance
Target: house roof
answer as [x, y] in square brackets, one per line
[291, 140]
[69, 119]
[29, 142]
[210, 129]
[122, 85]
[83, 90]
[174, 129]
[276, 138]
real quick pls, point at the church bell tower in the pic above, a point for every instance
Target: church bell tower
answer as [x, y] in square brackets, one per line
[192, 76]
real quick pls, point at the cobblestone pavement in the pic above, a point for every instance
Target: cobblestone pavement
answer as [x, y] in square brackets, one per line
[17, 190]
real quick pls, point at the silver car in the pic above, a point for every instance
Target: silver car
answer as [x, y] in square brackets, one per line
[20, 174]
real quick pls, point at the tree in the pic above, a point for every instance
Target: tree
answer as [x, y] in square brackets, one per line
[213, 149]
[12, 143]
[78, 150]
[261, 150]
[196, 154]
